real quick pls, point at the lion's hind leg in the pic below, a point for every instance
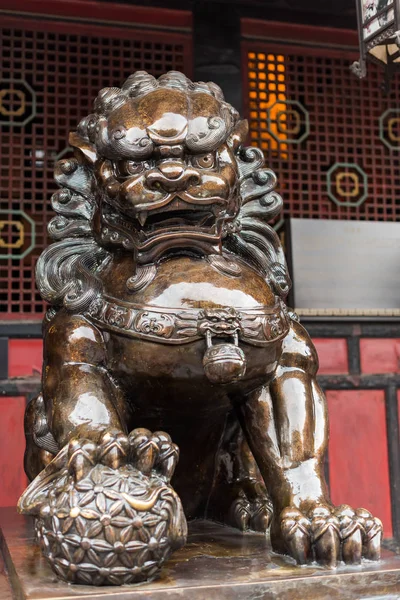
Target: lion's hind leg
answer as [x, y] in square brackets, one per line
[239, 498]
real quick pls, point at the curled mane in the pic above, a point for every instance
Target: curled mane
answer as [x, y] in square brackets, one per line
[250, 236]
[66, 270]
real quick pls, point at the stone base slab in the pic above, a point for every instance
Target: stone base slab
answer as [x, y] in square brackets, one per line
[217, 562]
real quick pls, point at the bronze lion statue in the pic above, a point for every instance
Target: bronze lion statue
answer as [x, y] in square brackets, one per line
[168, 329]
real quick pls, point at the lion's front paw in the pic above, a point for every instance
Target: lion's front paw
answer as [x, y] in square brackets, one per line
[327, 535]
[110, 517]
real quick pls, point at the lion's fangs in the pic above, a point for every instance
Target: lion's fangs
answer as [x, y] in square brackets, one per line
[142, 218]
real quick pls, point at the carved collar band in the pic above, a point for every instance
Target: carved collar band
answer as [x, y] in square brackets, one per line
[256, 326]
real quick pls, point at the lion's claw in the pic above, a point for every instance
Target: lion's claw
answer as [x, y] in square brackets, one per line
[296, 533]
[372, 530]
[325, 536]
[240, 513]
[261, 514]
[328, 535]
[153, 451]
[168, 454]
[144, 450]
[82, 457]
[351, 534]
[113, 449]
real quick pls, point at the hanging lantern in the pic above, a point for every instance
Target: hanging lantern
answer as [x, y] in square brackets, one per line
[379, 35]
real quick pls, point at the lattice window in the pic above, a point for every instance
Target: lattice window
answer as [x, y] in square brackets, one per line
[333, 141]
[268, 97]
[48, 81]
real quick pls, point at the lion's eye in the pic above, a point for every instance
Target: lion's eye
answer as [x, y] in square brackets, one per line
[205, 161]
[130, 167]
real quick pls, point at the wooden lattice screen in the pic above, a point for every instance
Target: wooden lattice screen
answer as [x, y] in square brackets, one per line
[333, 141]
[50, 74]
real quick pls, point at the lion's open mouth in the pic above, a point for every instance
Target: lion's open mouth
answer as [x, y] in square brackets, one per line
[180, 221]
[173, 219]
[179, 216]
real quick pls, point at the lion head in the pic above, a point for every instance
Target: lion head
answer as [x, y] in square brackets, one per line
[159, 167]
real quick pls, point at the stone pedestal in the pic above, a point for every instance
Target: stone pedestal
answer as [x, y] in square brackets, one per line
[217, 562]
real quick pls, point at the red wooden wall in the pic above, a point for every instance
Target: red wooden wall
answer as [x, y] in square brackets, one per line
[12, 443]
[358, 452]
[362, 427]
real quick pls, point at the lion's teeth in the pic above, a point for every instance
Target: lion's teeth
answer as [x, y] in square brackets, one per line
[142, 217]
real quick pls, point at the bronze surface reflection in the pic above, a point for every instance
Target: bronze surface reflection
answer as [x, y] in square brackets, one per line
[168, 329]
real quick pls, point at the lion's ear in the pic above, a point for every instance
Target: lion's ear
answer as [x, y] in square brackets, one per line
[239, 135]
[86, 148]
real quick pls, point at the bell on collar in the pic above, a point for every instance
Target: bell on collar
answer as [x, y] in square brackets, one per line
[224, 363]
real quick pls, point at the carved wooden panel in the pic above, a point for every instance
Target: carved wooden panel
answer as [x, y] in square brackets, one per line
[333, 140]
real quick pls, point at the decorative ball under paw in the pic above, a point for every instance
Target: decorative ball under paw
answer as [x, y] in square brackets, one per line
[113, 526]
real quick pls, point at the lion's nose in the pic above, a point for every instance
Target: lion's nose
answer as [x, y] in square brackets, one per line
[172, 176]
[171, 170]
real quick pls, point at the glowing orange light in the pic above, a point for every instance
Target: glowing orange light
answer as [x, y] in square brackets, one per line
[264, 73]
